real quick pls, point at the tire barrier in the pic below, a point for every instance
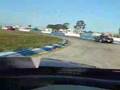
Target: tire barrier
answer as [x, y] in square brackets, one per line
[30, 52]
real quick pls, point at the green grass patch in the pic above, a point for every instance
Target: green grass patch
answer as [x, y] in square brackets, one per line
[19, 40]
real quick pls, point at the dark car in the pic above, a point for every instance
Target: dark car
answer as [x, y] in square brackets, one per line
[104, 38]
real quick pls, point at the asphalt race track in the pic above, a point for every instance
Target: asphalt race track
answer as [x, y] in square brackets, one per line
[87, 52]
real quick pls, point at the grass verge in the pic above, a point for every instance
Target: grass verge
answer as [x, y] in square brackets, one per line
[19, 40]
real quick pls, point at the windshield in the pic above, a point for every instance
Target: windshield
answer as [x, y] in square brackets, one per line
[60, 33]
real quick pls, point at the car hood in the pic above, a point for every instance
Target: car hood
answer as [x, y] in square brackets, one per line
[50, 62]
[27, 62]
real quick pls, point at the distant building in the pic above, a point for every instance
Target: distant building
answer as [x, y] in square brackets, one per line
[8, 28]
[72, 34]
[63, 30]
[4, 28]
[24, 29]
[47, 30]
[78, 30]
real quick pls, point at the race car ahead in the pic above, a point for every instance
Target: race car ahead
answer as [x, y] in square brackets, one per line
[104, 38]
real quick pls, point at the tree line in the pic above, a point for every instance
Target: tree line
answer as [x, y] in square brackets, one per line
[80, 26]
